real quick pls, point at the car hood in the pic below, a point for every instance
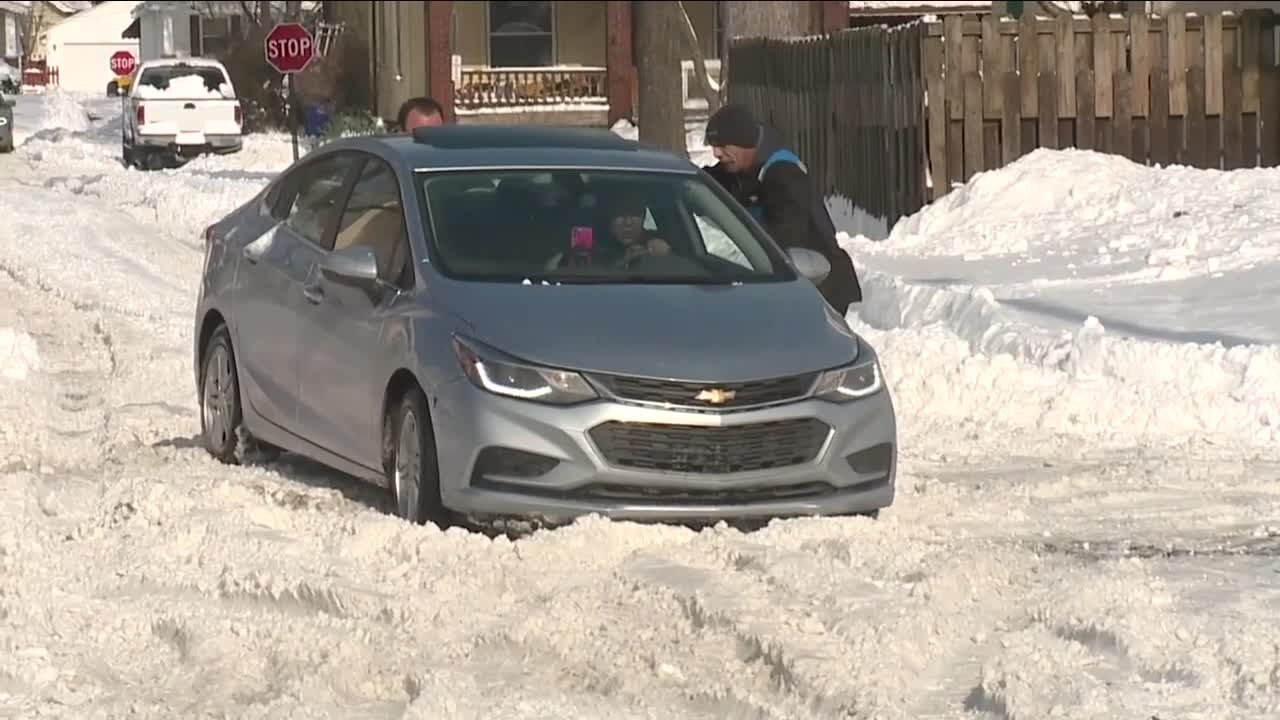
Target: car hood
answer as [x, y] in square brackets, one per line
[700, 333]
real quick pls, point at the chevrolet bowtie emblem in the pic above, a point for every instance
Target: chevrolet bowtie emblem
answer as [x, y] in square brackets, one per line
[716, 396]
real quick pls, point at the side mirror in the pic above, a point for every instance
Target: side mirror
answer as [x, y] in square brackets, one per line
[812, 265]
[355, 266]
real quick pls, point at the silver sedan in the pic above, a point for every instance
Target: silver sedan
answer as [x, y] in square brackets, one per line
[535, 323]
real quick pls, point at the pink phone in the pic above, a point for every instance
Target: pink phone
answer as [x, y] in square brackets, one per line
[582, 239]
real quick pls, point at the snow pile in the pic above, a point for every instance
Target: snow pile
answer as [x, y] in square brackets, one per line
[1083, 294]
[64, 110]
[1100, 211]
[185, 87]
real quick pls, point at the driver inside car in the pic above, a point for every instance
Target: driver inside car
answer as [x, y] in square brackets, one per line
[628, 241]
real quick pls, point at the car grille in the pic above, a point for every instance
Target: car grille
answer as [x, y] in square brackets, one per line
[710, 450]
[685, 394]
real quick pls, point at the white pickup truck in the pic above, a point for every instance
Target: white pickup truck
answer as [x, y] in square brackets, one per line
[176, 109]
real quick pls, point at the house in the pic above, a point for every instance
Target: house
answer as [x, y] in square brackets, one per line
[42, 15]
[79, 47]
[177, 28]
[559, 62]
[13, 16]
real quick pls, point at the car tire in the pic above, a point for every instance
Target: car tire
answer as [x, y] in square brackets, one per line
[413, 472]
[221, 414]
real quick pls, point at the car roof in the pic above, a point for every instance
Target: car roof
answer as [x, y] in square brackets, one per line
[479, 146]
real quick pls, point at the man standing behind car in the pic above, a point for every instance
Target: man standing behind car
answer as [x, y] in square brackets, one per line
[774, 186]
[419, 112]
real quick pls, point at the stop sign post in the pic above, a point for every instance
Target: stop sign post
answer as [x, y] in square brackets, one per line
[123, 62]
[289, 48]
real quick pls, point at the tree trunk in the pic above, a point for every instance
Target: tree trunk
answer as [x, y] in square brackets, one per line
[661, 111]
[694, 48]
[744, 18]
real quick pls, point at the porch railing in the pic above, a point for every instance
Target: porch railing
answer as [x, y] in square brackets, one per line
[487, 88]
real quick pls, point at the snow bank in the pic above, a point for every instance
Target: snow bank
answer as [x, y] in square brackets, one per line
[1103, 211]
[1084, 294]
[64, 110]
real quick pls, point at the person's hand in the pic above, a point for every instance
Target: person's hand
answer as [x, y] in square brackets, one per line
[659, 247]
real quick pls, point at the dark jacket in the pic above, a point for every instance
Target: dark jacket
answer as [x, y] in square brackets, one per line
[783, 199]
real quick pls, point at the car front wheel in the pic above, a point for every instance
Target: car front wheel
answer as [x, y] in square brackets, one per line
[413, 472]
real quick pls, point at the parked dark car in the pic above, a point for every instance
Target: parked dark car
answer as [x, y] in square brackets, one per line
[6, 125]
[539, 323]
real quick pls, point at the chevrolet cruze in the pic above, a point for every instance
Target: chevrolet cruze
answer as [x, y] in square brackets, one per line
[535, 323]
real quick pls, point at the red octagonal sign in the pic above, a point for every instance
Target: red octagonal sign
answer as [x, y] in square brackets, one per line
[123, 62]
[289, 47]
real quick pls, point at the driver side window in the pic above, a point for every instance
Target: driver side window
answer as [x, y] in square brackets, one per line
[374, 218]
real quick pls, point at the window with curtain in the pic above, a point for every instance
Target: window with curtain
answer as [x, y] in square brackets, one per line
[521, 34]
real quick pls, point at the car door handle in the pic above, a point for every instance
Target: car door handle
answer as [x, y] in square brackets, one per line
[189, 106]
[313, 294]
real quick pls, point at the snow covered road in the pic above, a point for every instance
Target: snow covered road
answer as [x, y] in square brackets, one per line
[1050, 554]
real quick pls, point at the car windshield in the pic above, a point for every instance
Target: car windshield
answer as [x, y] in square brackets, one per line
[592, 226]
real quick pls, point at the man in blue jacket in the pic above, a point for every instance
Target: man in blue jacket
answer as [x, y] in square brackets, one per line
[774, 186]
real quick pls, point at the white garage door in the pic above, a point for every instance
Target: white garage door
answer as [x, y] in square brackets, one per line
[87, 67]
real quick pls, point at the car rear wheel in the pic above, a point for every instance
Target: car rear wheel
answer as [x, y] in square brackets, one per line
[221, 415]
[413, 471]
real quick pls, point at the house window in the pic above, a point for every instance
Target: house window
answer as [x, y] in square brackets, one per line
[521, 34]
[216, 35]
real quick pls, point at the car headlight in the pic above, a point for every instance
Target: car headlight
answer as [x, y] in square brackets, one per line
[849, 383]
[518, 380]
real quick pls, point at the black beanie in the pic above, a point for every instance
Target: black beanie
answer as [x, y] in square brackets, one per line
[733, 125]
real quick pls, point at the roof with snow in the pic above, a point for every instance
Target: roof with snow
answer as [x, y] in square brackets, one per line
[105, 20]
[15, 8]
[70, 6]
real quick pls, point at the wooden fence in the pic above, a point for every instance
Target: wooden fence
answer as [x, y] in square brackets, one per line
[892, 118]
[850, 104]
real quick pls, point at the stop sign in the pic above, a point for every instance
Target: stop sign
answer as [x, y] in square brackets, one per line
[289, 47]
[123, 62]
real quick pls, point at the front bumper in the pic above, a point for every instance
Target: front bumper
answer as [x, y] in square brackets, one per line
[501, 457]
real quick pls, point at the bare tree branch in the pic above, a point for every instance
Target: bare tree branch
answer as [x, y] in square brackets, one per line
[699, 61]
